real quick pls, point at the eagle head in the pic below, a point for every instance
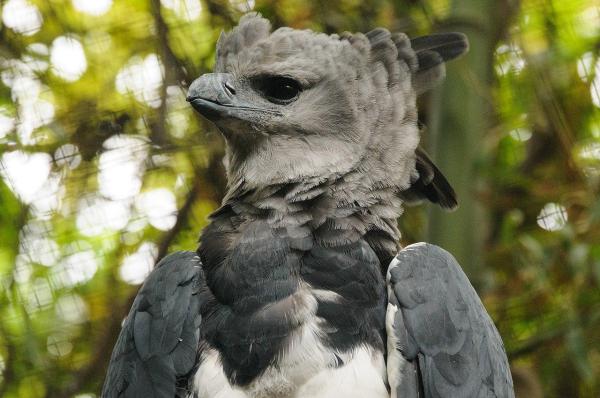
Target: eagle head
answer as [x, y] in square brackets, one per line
[296, 104]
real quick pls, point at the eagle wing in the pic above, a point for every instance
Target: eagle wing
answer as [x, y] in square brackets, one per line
[441, 340]
[157, 350]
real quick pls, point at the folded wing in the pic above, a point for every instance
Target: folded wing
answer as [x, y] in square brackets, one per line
[441, 341]
[157, 350]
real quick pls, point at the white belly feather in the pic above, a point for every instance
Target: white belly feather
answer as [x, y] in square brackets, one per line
[306, 369]
[363, 376]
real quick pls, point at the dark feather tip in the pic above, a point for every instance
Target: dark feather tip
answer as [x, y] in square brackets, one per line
[430, 184]
[448, 45]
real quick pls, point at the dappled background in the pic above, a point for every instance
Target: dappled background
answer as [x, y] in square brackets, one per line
[104, 169]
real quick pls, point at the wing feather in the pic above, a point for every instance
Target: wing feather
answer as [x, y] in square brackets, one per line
[157, 349]
[441, 329]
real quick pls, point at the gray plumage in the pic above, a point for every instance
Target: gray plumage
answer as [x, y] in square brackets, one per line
[438, 325]
[157, 349]
[290, 298]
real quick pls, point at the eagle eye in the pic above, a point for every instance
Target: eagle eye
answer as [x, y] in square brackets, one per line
[279, 90]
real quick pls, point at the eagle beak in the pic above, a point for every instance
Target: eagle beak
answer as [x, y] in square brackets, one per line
[213, 96]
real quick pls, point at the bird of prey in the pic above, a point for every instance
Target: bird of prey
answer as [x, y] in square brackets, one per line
[299, 287]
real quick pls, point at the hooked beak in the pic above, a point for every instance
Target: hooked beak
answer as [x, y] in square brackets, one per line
[213, 96]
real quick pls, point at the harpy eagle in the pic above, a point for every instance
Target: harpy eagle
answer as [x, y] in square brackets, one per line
[299, 287]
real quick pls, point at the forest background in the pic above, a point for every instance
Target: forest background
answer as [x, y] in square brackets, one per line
[104, 168]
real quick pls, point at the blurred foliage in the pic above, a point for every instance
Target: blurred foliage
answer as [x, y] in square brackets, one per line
[105, 169]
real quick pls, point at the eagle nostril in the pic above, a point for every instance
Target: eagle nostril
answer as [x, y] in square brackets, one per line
[229, 88]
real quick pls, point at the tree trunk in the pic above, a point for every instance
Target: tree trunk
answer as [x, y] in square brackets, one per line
[460, 117]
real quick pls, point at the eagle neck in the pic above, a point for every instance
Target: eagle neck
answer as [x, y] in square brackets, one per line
[354, 203]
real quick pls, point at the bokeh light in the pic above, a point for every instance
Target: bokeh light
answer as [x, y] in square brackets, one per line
[68, 58]
[22, 17]
[92, 7]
